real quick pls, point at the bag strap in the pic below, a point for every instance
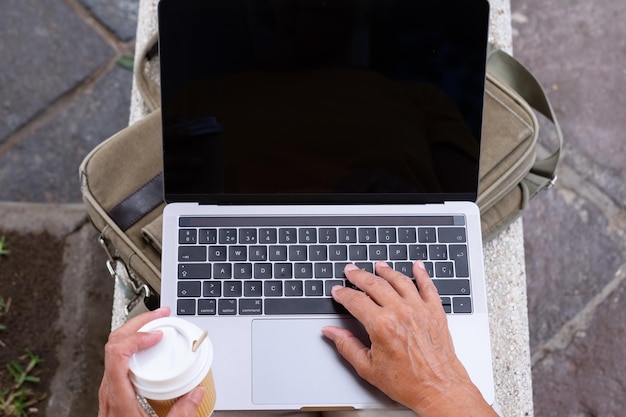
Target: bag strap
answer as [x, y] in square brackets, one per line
[519, 78]
[148, 88]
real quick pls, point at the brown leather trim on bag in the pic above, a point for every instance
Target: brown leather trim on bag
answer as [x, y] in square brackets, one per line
[139, 203]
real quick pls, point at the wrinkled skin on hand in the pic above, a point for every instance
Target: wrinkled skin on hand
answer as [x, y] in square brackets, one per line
[117, 396]
[411, 358]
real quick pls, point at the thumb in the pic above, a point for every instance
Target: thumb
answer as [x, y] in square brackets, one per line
[187, 406]
[350, 347]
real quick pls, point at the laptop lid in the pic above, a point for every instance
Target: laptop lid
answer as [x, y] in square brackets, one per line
[322, 102]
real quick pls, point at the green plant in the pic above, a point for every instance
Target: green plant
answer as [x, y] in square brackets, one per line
[126, 62]
[19, 398]
[3, 246]
[4, 309]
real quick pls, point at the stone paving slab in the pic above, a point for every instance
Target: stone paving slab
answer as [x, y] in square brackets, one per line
[45, 51]
[585, 376]
[120, 16]
[43, 166]
[575, 235]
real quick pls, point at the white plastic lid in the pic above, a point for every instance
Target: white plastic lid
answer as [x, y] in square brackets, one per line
[170, 368]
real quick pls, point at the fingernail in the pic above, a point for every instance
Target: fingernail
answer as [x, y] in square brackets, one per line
[196, 395]
[383, 264]
[334, 289]
[420, 265]
[350, 267]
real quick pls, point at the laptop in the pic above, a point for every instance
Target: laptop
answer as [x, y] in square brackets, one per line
[298, 136]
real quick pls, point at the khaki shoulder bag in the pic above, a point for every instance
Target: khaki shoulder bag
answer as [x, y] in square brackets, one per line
[121, 179]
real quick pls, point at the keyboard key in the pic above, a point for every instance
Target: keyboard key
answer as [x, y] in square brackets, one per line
[232, 289]
[227, 307]
[242, 270]
[452, 286]
[212, 289]
[347, 235]
[189, 288]
[252, 289]
[427, 235]
[462, 305]
[207, 236]
[307, 235]
[358, 252]
[418, 252]
[407, 235]
[287, 235]
[267, 235]
[217, 253]
[437, 252]
[186, 307]
[338, 269]
[294, 288]
[458, 253]
[367, 235]
[248, 307]
[338, 253]
[313, 288]
[444, 270]
[258, 253]
[303, 270]
[192, 253]
[398, 252]
[387, 235]
[452, 235]
[378, 252]
[323, 270]
[328, 235]
[366, 266]
[222, 271]
[273, 288]
[194, 271]
[405, 268]
[297, 253]
[237, 253]
[207, 307]
[283, 270]
[278, 253]
[329, 284]
[187, 236]
[227, 236]
[262, 271]
[247, 236]
[278, 306]
[318, 253]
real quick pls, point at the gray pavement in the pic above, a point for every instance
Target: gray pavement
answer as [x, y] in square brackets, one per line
[62, 92]
[575, 234]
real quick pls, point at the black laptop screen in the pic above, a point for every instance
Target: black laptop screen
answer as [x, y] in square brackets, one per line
[322, 101]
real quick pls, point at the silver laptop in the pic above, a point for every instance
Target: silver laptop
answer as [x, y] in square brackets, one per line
[298, 136]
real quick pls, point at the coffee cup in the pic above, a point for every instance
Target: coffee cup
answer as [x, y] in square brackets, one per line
[180, 362]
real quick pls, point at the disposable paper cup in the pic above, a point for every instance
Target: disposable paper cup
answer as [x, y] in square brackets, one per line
[168, 370]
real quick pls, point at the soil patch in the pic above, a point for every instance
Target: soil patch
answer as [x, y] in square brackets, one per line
[30, 277]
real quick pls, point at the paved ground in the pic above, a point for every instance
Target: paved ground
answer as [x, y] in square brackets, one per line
[62, 92]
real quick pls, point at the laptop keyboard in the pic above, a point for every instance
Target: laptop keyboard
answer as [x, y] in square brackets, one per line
[280, 266]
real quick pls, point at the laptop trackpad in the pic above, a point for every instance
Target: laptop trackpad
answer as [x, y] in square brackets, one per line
[291, 359]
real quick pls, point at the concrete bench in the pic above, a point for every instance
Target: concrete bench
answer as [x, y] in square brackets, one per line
[504, 257]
